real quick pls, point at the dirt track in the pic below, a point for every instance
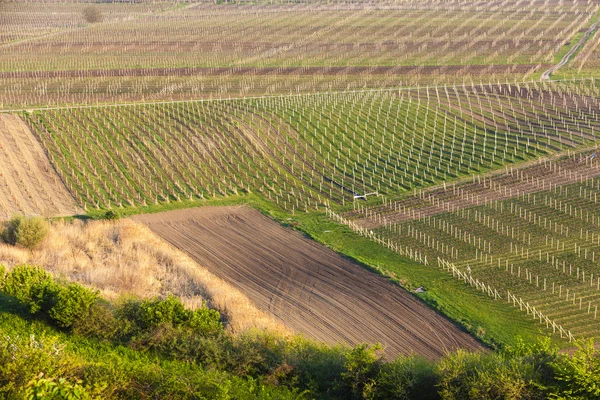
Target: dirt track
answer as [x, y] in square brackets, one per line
[28, 183]
[306, 285]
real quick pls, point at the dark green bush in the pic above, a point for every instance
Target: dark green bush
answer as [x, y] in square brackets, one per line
[32, 286]
[406, 378]
[111, 215]
[102, 323]
[26, 232]
[149, 314]
[72, 303]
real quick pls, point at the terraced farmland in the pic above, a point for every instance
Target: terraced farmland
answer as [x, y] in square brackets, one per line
[307, 151]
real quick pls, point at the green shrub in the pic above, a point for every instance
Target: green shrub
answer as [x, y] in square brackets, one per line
[361, 369]
[205, 321]
[32, 286]
[111, 215]
[2, 274]
[481, 376]
[406, 378]
[578, 376]
[26, 232]
[150, 314]
[57, 389]
[9, 231]
[101, 323]
[23, 357]
[72, 303]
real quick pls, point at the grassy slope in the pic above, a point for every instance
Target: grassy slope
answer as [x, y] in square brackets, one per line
[492, 321]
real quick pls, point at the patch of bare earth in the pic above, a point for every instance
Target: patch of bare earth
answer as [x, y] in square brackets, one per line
[29, 184]
[308, 287]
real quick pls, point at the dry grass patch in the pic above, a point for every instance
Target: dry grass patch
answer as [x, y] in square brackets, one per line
[124, 257]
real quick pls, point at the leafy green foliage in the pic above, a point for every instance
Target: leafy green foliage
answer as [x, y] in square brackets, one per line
[406, 378]
[158, 348]
[362, 366]
[150, 314]
[26, 232]
[72, 303]
[57, 389]
[23, 357]
[111, 215]
[101, 322]
[579, 375]
[483, 376]
[31, 285]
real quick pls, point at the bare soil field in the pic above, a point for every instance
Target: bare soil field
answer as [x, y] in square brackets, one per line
[307, 286]
[28, 183]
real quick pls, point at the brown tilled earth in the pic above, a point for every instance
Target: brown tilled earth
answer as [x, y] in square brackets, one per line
[29, 185]
[309, 287]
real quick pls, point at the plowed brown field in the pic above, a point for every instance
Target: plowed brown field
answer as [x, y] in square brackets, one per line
[29, 185]
[309, 287]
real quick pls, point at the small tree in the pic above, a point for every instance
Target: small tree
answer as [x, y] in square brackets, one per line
[26, 232]
[92, 14]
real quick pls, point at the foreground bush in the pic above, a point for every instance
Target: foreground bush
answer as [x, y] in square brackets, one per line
[32, 286]
[72, 303]
[26, 232]
[150, 314]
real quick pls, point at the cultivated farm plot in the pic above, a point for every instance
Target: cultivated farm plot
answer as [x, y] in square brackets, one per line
[308, 151]
[207, 50]
[308, 287]
[528, 236]
[29, 184]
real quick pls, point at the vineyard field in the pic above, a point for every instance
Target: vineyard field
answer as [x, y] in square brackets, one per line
[528, 236]
[303, 152]
[168, 51]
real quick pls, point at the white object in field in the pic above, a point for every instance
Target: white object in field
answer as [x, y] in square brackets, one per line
[364, 196]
